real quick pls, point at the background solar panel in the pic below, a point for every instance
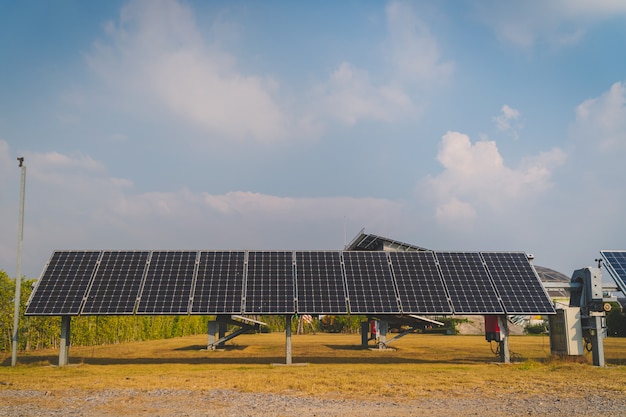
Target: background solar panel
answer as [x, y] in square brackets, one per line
[116, 283]
[219, 283]
[63, 283]
[616, 265]
[319, 283]
[270, 283]
[167, 288]
[517, 283]
[370, 283]
[468, 283]
[420, 286]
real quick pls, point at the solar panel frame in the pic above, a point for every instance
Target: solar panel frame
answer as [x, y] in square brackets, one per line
[63, 297]
[219, 283]
[468, 282]
[320, 287]
[369, 283]
[420, 286]
[615, 264]
[116, 283]
[517, 283]
[270, 283]
[168, 283]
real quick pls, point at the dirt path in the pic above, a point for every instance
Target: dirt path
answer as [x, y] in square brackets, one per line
[165, 403]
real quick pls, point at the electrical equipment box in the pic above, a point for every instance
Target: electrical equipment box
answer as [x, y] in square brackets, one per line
[492, 329]
[566, 332]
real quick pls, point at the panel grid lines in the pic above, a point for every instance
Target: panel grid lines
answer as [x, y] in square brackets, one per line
[319, 283]
[62, 286]
[116, 283]
[420, 286]
[468, 283]
[167, 287]
[270, 283]
[219, 283]
[370, 283]
[517, 283]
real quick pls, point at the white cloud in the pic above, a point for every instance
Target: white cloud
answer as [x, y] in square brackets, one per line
[155, 54]
[476, 182]
[415, 52]
[73, 202]
[559, 22]
[507, 121]
[349, 96]
[601, 122]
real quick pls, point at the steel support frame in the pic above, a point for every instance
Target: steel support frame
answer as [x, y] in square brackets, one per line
[64, 349]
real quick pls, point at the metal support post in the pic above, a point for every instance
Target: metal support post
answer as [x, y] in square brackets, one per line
[18, 274]
[505, 354]
[365, 328]
[383, 327]
[288, 337]
[212, 329]
[221, 333]
[597, 342]
[64, 351]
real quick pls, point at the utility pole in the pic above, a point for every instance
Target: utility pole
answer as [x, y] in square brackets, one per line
[18, 275]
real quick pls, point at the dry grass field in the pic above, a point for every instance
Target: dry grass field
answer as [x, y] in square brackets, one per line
[334, 366]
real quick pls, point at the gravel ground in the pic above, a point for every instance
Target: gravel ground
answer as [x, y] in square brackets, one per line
[162, 403]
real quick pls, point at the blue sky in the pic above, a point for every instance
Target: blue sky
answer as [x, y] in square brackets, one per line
[476, 125]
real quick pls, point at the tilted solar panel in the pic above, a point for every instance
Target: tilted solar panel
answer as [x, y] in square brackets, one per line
[319, 283]
[420, 286]
[219, 283]
[63, 283]
[370, 283]
[517, 283]
[168, 283]
[270, 283]
[116, 283]
[615, 263]
[468, 284]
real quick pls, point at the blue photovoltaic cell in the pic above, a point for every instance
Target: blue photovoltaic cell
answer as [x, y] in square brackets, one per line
[319, 283]
[167, 287]
[270, 283]
[517, 283]
[63, 283]
[219, 283]
[616, 265]
[420, 286]
[370, 283]
[116, 283]
[468, 284]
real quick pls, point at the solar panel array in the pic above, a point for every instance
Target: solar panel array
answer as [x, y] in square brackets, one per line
[287, 282]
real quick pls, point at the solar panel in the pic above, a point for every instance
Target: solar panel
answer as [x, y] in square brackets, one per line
[517, 283]
[468, 284]
[319, 283]
[370, 283]
[116, 283]
[270, 283]
[168, 282]
[61, 288]
[420, 286]
[616, 265]
[219, 283]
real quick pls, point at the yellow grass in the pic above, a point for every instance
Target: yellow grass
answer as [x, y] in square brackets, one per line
[418, 365]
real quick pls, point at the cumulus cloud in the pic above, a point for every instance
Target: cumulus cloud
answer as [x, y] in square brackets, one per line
[601, 122]
[476, 181]
[156, 52]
